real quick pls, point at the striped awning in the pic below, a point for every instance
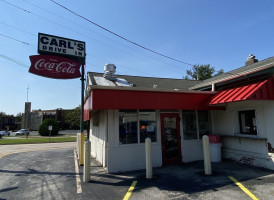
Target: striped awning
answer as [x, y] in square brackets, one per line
[262, 90]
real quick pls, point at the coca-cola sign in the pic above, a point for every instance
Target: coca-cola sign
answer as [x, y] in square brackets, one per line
[54, 67]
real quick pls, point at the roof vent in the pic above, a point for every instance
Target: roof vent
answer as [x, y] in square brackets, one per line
[110, 70]
[250, 60]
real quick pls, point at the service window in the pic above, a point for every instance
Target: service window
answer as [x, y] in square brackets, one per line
[247, 120]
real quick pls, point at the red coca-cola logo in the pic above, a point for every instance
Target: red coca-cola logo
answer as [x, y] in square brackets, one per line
[54, 67]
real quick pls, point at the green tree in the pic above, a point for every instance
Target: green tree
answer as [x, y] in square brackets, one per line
[202, 72]
[2, 114]
[44, 127]
[72, 118]
[18, 117]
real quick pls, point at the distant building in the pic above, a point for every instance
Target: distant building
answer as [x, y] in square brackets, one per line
[26, 116]
[8, 123]
[37, 117]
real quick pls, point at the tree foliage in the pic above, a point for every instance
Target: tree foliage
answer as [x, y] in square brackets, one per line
[202, 72]
[18, 117]
[44, 127]
[72, 117]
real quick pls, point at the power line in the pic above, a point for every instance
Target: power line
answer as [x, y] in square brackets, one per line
[85, 27]
[17, 28]
[14, 39]
[117, 35]
[15, 6]
[80, 33]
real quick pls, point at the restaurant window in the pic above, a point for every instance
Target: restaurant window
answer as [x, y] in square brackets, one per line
[196, 124]
[189, 125]
[95, 119]
[247, 120]
[147, 124]
[128, 127]
[135, 126]
[203, 123]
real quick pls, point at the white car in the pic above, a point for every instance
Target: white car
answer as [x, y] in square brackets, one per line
[3, 133]
[22, 132]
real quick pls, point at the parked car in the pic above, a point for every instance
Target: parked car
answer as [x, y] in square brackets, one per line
[3, 133]
[22, 132]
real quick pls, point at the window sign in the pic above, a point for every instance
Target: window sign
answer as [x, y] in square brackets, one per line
[147, 124]
[135, 126]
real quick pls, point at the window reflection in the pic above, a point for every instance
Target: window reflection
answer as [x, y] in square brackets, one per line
[147, 126]
[128, 127]
[204, 123]
[189, 125]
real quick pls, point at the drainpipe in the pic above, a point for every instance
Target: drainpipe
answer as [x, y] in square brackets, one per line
[106, 142]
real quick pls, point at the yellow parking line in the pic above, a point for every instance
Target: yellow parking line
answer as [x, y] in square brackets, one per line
[252, 196]
[130, 190]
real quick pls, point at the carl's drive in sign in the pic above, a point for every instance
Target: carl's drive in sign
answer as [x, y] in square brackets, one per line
[50, 44]
[54, 67]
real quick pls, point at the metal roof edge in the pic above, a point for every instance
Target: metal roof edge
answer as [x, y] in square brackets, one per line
[93, 87]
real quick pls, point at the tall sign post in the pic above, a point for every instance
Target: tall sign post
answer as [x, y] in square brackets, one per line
[61, 58]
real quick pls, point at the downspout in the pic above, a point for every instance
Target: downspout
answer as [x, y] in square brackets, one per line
[106, 142]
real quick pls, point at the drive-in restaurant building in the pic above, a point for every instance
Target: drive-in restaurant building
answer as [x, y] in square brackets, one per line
[175, 113]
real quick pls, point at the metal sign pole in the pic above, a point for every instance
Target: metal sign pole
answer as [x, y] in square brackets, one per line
[82, 98]
[50, 129]
[81, 160]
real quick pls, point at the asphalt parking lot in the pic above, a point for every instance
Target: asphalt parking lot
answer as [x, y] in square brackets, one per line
[51, 174]
[188, 181]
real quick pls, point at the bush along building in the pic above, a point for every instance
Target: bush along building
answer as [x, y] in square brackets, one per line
[124, 110]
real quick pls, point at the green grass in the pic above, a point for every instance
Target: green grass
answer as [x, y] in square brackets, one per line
[31, 140]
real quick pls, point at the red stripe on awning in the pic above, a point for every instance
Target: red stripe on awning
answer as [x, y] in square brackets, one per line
[263, 90]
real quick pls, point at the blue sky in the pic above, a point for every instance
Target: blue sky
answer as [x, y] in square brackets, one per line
[217, 32]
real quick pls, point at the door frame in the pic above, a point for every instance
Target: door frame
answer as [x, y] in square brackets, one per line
[177, 160]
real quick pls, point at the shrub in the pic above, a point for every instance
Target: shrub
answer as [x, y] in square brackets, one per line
[44, 127]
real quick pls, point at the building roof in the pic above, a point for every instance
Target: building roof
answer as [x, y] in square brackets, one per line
[237, 73]
[138, 82]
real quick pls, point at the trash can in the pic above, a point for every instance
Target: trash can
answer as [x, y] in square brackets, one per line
[215, 148]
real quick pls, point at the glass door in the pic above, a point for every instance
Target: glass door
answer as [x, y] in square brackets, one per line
[171, 139]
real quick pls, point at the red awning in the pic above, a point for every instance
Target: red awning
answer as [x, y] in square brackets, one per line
[130, 99]
[263, 90]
